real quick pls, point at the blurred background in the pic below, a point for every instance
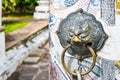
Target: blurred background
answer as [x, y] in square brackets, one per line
[26, 24]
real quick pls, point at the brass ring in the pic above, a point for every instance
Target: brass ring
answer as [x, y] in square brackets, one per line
[79, 77]
[83, 73]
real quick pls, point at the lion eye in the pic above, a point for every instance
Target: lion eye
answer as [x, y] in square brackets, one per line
[71, 34]
[85, 28]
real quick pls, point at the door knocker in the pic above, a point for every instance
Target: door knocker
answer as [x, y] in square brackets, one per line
[81, 35]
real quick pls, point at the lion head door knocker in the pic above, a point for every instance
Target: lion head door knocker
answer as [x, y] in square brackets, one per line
[81, 35]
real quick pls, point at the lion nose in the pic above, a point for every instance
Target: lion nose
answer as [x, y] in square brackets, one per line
[76, 39]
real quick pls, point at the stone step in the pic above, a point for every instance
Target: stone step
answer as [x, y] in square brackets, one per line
[31, 60]
[41, 53]
[43, 2]
[38, 15]
[41, 8]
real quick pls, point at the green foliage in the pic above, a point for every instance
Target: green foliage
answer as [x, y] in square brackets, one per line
[19, 15]
[12, 26]
[12, 5]
[9, 4]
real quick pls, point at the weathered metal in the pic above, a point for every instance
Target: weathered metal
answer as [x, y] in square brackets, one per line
[102, 9]
[82, 73]
[79, 77]
[117, 2]
[81, 29]
[117, 64]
